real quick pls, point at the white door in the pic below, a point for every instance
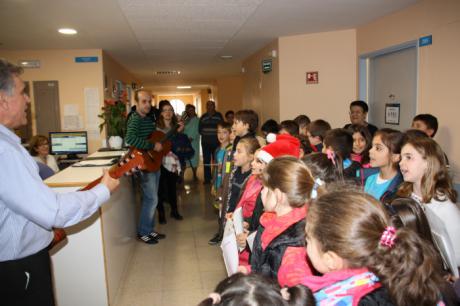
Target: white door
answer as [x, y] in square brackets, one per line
[393, 83]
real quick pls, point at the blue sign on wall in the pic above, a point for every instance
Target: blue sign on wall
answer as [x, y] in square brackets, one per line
[425, 41]
[86, 59]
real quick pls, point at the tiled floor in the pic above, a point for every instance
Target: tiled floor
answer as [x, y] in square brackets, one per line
[182, 269]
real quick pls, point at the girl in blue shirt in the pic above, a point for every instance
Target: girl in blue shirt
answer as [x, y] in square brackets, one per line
[382, 180]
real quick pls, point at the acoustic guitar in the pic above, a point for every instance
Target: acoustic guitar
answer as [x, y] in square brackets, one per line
[131, 161]
[153, 158]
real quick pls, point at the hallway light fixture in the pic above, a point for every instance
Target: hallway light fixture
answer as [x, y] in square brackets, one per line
[29, 63]
[67, 31]
[184, 87]
[167, 72]
[226, 57]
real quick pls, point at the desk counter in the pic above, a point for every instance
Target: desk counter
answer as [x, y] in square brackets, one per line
[89, 266]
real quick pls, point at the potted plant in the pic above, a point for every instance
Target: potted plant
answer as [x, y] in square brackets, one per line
[114, 120]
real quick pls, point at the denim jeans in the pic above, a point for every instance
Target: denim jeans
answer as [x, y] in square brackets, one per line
[149, 186]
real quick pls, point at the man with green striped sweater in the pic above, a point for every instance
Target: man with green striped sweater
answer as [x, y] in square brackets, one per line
[140, 126]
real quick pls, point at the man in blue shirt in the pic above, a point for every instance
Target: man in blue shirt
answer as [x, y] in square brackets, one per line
[29, 210]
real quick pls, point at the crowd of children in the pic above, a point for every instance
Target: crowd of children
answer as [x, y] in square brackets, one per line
[344, 216]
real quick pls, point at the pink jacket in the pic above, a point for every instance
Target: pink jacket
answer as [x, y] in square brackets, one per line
[249, 196]
[294, 266]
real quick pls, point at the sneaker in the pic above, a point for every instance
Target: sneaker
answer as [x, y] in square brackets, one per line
[215, 240]
[157, 236]
[147, 239]
[177, 216]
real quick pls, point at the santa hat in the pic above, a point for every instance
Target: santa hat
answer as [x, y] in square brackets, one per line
[285, 144]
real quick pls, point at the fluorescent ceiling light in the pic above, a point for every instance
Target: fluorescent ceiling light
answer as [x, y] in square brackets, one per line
[29, 63]
[226, 57]
[67, 31]
[184, 87]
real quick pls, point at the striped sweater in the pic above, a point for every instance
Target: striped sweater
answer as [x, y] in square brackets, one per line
[139, 128]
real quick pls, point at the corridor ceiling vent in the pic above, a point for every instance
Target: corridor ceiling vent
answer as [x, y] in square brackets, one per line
[167, 73]
[67, 31]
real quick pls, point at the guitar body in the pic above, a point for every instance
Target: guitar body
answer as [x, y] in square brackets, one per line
[153, 158]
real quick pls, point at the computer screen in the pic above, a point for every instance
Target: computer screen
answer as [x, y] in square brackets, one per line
[70, 143]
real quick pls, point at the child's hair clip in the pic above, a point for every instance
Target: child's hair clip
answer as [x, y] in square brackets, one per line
[388, 237]
[331, 155]
[285, 293]
[314, 191]
[215, 297]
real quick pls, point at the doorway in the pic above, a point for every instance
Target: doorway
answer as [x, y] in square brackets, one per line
[46, 100]
[25, 132]
[388, 82]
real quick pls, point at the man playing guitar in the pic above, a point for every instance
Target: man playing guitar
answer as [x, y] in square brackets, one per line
[139, 127]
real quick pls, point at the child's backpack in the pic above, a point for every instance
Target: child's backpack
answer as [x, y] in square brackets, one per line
[182, 147]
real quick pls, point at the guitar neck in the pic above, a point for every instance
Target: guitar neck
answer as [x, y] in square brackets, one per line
[131, 161]
[115, 172]
[168, 134]
[92, 184]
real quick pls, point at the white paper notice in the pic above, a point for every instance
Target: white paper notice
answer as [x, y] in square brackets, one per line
[238, 220]
[72, 123]
[94, 134]
[230, 254]
[250, 239]
[70, 110]
[92, 107]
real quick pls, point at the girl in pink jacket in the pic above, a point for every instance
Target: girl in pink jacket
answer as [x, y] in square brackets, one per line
[279, 246]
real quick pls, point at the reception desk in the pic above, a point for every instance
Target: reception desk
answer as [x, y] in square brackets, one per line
[89, 266]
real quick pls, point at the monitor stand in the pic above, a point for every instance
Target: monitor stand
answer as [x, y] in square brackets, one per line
[68, 161]
[72, 157]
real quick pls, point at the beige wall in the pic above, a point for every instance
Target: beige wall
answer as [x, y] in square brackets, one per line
[73, 78]
[261, 92]
[113, 71]
[230, 93]
[333, 55]
[201, 109]
[439, 63]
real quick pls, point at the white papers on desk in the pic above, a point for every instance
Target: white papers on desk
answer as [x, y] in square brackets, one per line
[238, 220]
[230, 253]
[250, 240]
[111, 153]
[95, 163]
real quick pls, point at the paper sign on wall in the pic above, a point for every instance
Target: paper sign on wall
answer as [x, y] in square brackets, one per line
[392, 113]
[92, 109]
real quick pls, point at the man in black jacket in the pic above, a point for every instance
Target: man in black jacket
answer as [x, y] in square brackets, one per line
[209, 143]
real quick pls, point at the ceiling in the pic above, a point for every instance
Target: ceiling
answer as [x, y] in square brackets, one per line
[183, 35]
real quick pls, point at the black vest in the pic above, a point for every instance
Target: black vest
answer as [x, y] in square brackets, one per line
[267, 262]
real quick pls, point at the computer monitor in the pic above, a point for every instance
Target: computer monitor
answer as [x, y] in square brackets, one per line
[69, 143]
